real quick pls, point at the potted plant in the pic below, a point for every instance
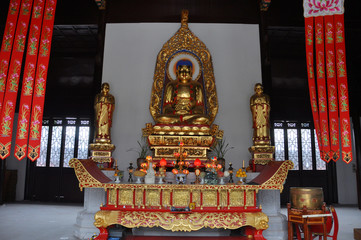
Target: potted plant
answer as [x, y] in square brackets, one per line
[219, 150]
[143, 151]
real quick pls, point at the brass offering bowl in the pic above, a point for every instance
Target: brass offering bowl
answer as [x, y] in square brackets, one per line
[311, 197]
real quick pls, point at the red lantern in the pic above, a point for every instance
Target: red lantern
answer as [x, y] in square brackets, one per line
[163, 162]
[197, 162]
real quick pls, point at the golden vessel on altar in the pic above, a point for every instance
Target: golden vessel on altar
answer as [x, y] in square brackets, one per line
[310, 197]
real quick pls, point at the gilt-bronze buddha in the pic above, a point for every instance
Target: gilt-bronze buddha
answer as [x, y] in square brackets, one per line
[183, 99]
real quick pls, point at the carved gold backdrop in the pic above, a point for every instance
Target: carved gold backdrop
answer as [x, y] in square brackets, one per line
[129, 61]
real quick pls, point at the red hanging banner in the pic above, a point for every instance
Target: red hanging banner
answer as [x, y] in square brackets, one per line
[343, 90]
[309, 30]
[7, 44]
[332, 88]
[9, 102]
[338, 106]
[28, 80]
[40, 80]
[321, 88]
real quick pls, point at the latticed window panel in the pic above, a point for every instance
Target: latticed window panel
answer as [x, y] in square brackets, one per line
[83, 142]
[306, 149]
[69, 145]
[55, 150]
[320, 164]
[293, 147]
[41, 162]
[279, 144]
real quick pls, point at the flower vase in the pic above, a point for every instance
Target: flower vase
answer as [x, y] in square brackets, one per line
[138, 179]
[117, 179]
[221, 181]
[181, 178]
[161, 180]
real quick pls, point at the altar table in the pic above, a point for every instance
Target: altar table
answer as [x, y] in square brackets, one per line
[164, 205]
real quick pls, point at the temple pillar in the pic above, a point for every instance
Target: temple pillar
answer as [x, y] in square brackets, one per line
[93, 198]
[271, 206]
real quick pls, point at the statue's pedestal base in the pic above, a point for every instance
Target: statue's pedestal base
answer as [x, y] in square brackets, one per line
[102, 154]
[93, 198]
[165, 139]
[261, 156]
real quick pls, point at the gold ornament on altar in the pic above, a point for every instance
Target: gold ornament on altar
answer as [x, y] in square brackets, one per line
[260, 108]
[104, 107]
[180, 165]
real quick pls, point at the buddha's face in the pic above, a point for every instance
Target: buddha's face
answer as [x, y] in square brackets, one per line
[105, 89]
[184, 73]
[258, 89]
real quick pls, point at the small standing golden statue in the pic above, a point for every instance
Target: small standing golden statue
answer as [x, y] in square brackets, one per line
[262, 151]
[260, 108]
[104, 107]
[101, 149]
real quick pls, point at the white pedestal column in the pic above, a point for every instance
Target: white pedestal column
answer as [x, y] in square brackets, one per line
[84, 227]
[93, 198]
[271, 206]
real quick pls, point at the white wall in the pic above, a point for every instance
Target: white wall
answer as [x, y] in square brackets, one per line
[129, 61]
[346, 178]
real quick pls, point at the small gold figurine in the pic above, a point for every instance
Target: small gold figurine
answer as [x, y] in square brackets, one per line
[183, 99]
[104, 107]
[260, 108]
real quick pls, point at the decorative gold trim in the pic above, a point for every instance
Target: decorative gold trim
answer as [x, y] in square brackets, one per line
[84, 177]
[184, 40]
[274, 182]
[181, 222]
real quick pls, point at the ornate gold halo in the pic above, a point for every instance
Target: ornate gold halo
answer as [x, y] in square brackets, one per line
[184, 55]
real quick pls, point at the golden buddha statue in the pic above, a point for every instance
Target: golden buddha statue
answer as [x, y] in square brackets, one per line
[104, 107]
[183, 99]
[260, 108]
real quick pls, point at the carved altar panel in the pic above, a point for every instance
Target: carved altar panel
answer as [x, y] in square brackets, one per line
[166, 197]
[209, 198]
[125, 197]
[223, 198]
[152, 198]
[196, 197]
[139, 197]
[236, 198]
[181, 198]
[250, 198]
[112, 198]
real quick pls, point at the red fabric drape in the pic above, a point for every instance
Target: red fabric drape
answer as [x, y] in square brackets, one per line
[40, 80]
[28, 80]
[9, 102]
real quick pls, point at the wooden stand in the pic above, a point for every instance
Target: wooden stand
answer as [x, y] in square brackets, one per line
[307, 218]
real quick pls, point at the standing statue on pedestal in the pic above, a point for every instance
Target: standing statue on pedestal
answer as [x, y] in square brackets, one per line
[260, 108]
[104, 107]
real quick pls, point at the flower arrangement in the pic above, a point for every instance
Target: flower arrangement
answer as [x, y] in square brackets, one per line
[213, 170]
[220, 148]
[214, 167]
[143, 150]
[145, 165]
[180, 165]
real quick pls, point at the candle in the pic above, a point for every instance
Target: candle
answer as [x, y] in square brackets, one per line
[243, 164]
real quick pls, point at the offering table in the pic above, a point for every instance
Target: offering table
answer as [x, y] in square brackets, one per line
[166, 205]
